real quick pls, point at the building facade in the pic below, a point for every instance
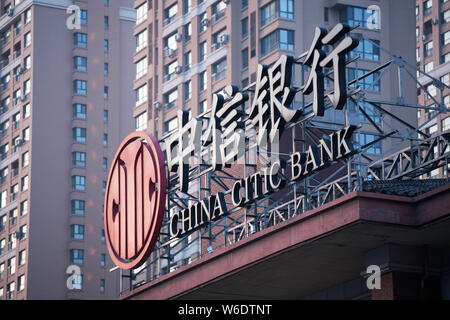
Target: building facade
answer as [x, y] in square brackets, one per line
[65, 104]
[187, 50]
[433, 58]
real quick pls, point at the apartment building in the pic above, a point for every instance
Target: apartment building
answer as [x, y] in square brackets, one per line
[433, 58]
[187, 50]
[66, 89]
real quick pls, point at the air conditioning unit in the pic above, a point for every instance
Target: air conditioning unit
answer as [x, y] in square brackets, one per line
[157, 105]
[23, 98]
[178, 69]
[10, 12]
[205, 22]
[223, 38]
[19, 70]
[435, 21]
[19, 142]
[424, 37]
[178, 37]
[226, 1]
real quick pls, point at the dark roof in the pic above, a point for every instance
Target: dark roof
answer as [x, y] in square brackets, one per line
[410, 188]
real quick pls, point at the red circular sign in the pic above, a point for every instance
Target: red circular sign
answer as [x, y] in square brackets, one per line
[135, 200]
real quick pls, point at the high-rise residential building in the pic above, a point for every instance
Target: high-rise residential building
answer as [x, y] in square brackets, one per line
[187, 50]
[433, 59]
[66, 87]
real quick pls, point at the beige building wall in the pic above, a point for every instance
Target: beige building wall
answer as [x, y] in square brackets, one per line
[49, 239]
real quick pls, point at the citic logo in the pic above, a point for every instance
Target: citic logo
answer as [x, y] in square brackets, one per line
[135, 200]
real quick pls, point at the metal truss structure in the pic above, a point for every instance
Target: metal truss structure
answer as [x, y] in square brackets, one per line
[412, 154]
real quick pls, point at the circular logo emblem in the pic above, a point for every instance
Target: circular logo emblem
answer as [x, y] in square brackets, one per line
[135, 200]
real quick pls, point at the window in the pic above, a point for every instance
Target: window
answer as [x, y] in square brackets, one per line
[102, 260]
[80, 39]
[78, 207]
[369, 19]
[428, 49]
[105, 69]
[170, 41]
[219, 39]
[79, 159]
[244, 28]
[105, 163]
[170, 13]
[27, 63]
[27, 16]
[218, 10]
[23, 207]
[427, 7]
[170, 98]
[219, 69]
[244, 4]
[21, 283]
[186, 6]
[10, 288]
[279, 39]
[24, 183]
[446, 79]
[80, 87]
[446, 16]
[203, 81]
[105, 116]
[78, 183]
[106, 45]
[141, 40]
[105, 92]
[429, 66]
[187, 61]
[170, 125]
[27, 39]
[141, 121]
[446, 38]
[244, 58]
[368, 138]
[170, 70]
[79, 111]
[268, 13]
[23, 231]
[106, 22]
[22, 257]
[187, 32]
[26, 111]
[12, 265]
[77, 282]
[367, 49]
[367, 83]
[25, 159]
[82, 16]
[141, 13]
[76, 256]
[79, 135]
[187, 90]
[286, 40]
[203, 22]
[203, 51]
[12, 241]
[203, 106]
[105, 139]
[141, 95]
[77, 231]
[103, 239]
[286, 9]
[102, 285]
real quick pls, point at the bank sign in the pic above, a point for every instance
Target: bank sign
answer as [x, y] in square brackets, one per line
[135, 199]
